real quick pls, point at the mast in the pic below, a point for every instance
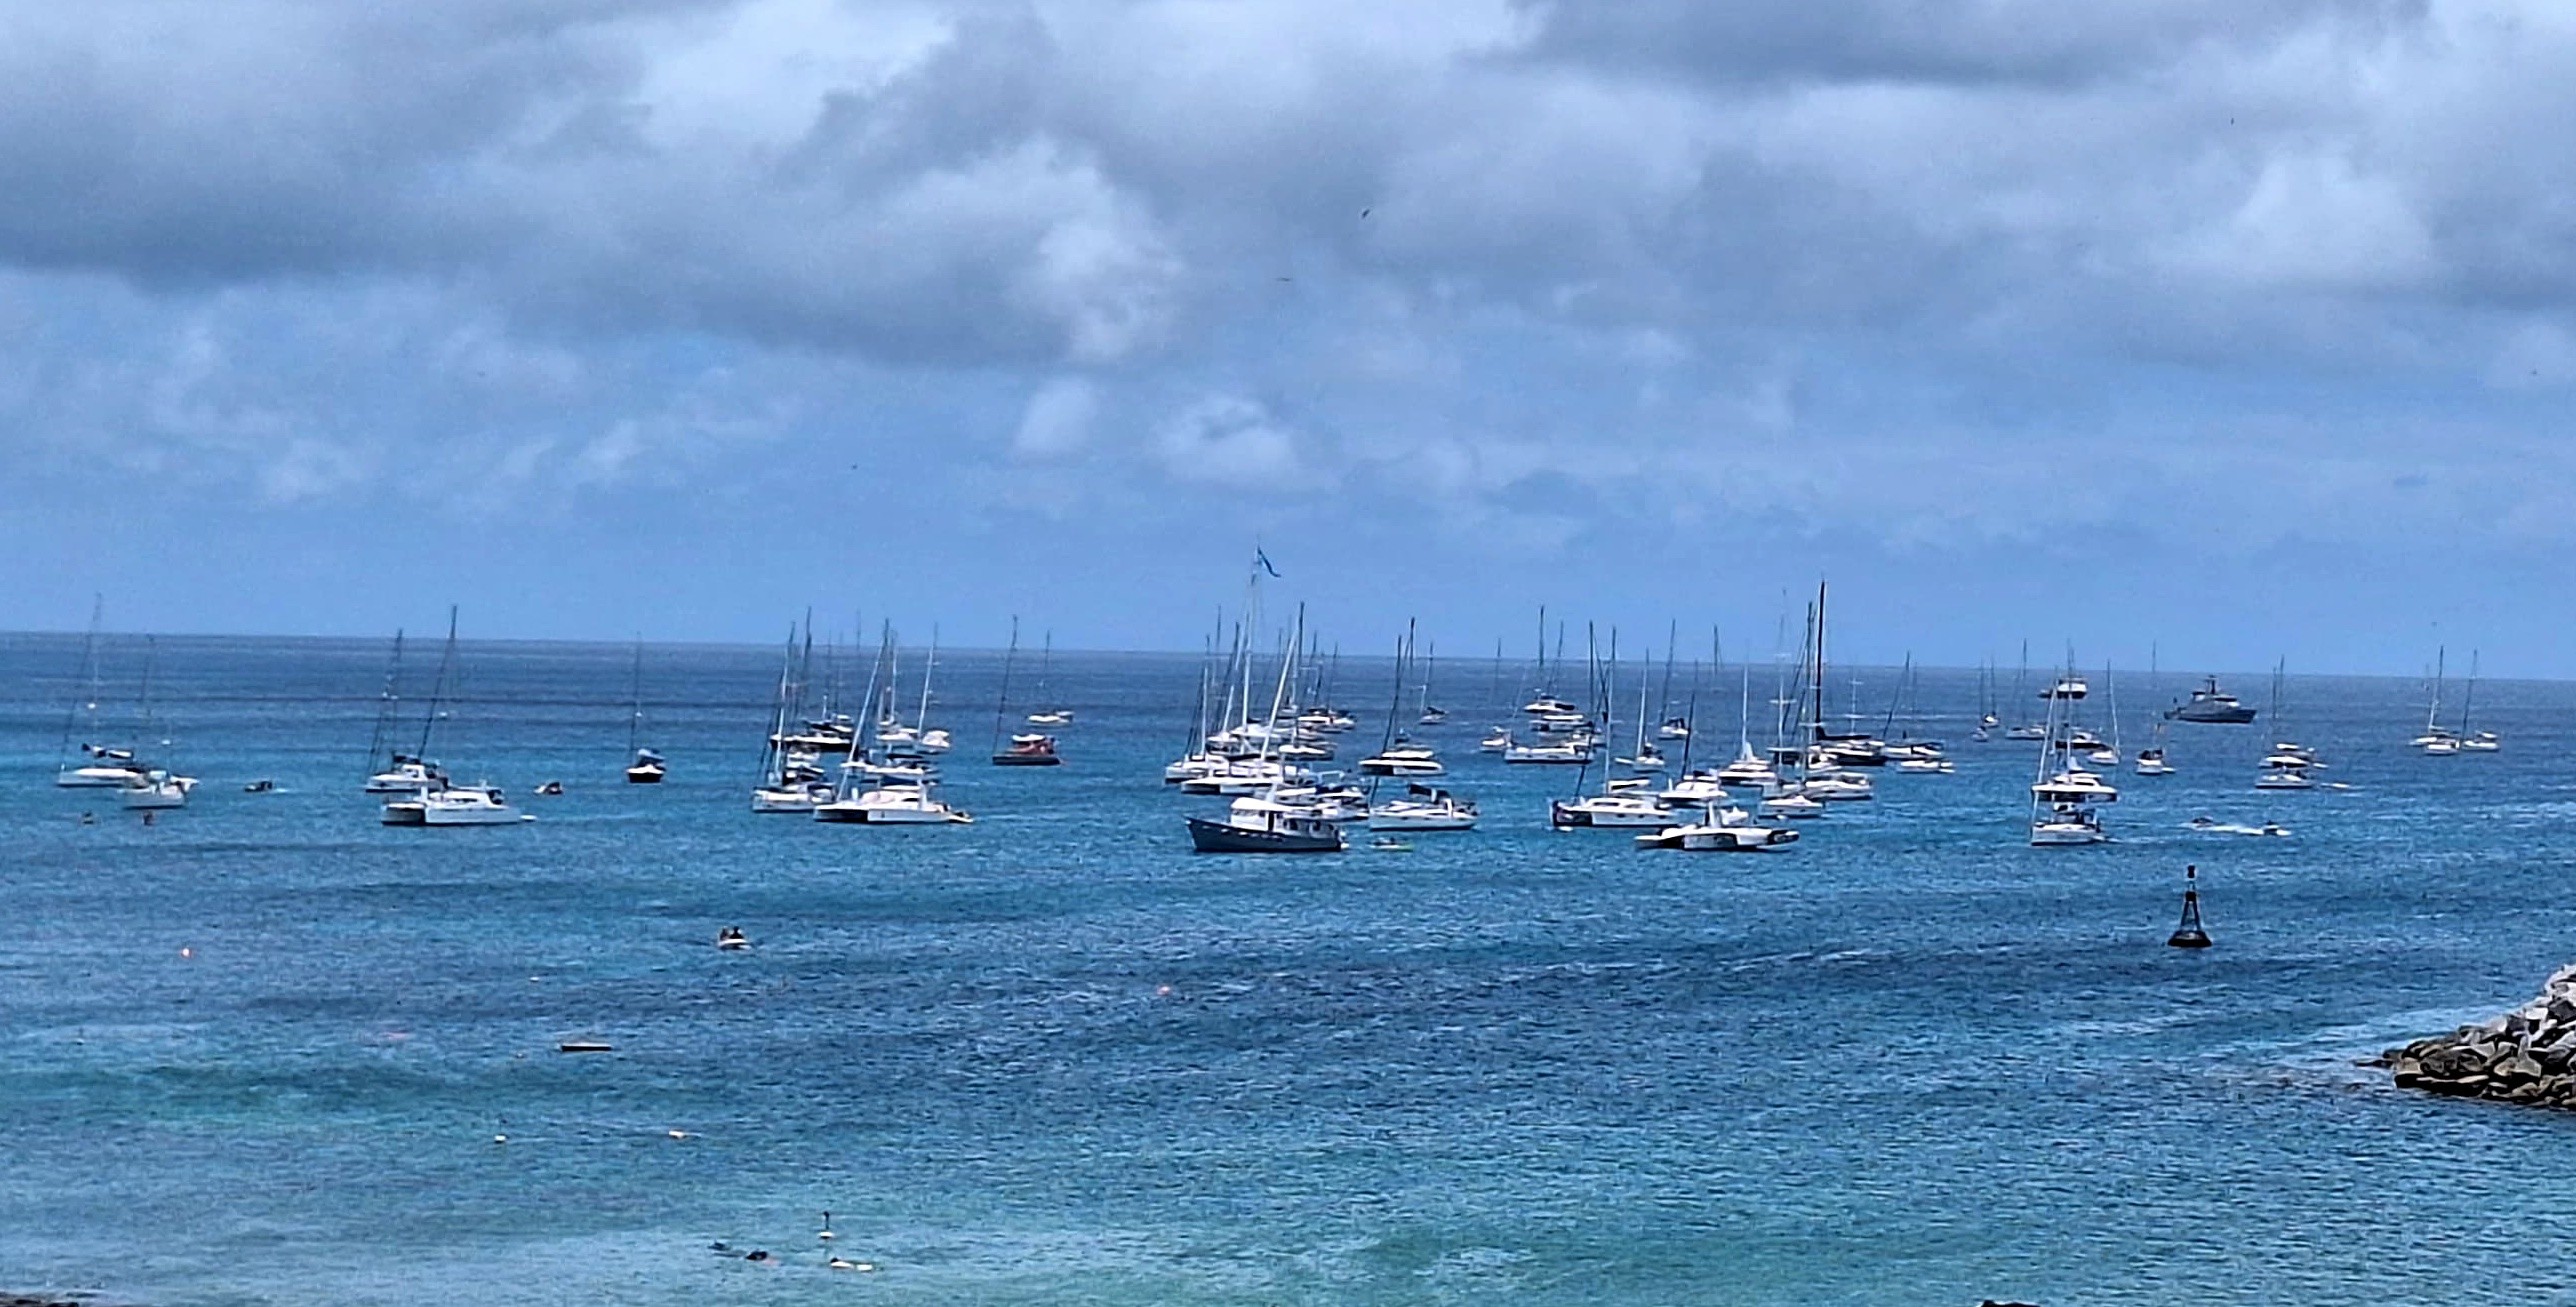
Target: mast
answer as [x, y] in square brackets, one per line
[2468, 694]
[84, 700]
[635, 717]
[921, 716]
[388, 701]
[438, 688]
[1046, 664]
[1672, 640]
[1394, 703]
[1818, 688]
[2433, 709]
[1002, 706]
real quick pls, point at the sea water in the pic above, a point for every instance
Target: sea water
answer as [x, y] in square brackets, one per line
[265, 1049]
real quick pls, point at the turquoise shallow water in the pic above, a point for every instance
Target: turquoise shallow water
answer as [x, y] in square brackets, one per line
[1054, 1057]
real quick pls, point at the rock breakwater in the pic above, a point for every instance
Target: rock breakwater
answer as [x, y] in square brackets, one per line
[2527, 1055]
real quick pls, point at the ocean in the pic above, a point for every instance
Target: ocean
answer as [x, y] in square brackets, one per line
[260, 1050]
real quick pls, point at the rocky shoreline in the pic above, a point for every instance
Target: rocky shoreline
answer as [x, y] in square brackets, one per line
[2527, 1055]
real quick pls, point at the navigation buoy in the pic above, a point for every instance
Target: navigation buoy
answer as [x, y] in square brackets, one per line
[2189, 934]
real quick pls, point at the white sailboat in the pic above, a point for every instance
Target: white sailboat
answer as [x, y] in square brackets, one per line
[1046, 716]
[93, 765]
[645, 766]
[2474, 741]
[2065, 798]
[446, 803]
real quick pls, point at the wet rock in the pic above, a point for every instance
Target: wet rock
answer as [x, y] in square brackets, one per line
[2527, 1055]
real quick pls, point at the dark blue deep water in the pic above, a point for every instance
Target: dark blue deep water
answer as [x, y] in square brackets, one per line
[259, 1051]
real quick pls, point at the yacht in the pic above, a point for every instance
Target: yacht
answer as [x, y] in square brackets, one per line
[1696, 789]
[1254, 824]
[647, 769]
[2067, 823]
[1603, 810]
[789, 797]
[453, 805]
[1792, 805]
[1423, 808]
[1402, 759]
[1028, 750]
[892, 805]
[2212, 705]
[157, 789]
[106, 769]
[1721, 830]
[1566, 754]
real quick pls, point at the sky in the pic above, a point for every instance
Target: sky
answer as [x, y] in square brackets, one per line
[2241, 328]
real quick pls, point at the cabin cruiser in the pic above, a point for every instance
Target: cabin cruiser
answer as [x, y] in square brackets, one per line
[1254, 824]
[1616, 809]
[892, 805]
[1028, 750]
[1721, 830]
[2212, 705]
[1424, 809]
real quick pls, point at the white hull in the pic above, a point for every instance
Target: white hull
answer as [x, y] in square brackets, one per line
[2050, 834]
[148, 797]
[782, 801]
[96, 778]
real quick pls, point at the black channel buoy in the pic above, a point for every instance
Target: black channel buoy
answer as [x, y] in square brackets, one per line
[2189, 934]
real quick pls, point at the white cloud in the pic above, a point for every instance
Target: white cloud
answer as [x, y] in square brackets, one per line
[1058, 418]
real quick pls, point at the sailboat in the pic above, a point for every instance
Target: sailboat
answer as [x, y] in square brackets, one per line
[2063, 797]
[446, 803]
[903, 794]
[2287, 766]
[404, 773]
[1422, 807]
[1265, 822]
[157, 787]
[1046, 716]
[98, 766]
[2474, 741]
[2027, 730]
[647, 767]
[1027, 749]
[2108, 755]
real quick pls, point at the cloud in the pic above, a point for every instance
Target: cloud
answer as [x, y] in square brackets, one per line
[1058, 418]
[1229, 440]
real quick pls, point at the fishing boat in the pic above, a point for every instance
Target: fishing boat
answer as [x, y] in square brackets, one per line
[1253, 824]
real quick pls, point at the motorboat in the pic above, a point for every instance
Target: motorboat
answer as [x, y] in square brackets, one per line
[548, 789]
[1721, 830]
[2210, 704]
[2284, 778]
[2151, 762]
[892, 805]
[1602, 810]
[260, 786]
[1497, 742]
[1058, 717]
[1254, 824]
[1028, 750]
[1927, 766]
[732, 940]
